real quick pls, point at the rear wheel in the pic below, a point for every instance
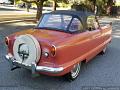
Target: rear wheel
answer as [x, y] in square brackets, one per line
[74, 73]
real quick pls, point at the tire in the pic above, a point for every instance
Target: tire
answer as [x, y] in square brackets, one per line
[74, 73]
[103, 51]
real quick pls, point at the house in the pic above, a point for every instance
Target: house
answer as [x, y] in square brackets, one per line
[4, 1]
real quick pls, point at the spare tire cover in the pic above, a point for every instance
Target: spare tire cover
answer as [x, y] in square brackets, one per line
[26, 49]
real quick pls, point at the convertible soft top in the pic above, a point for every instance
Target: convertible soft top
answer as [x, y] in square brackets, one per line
[82, 15]
[73, 12]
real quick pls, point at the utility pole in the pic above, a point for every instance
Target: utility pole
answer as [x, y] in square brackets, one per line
[54, 5]
[14, 2]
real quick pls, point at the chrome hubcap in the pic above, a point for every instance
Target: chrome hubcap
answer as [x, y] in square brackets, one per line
[104, 50]
[75, 71]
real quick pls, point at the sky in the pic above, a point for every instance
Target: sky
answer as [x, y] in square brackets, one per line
[117, 3]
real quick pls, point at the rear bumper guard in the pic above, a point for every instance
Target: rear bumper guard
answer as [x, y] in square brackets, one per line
[33, 67]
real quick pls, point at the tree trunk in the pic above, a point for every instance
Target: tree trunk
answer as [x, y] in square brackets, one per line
[109, 7]
[39, 10]
[54, 5]
[94, 3]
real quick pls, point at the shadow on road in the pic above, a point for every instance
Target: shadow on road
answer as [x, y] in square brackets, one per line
[8, 9]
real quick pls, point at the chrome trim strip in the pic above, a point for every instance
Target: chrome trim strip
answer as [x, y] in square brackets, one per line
[34, 68]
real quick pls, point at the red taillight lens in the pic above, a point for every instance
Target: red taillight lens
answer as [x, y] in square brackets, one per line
[7, 40]
[53, 50]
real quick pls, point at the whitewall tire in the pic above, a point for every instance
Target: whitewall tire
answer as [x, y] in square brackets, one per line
[104, 50]
[74, 73]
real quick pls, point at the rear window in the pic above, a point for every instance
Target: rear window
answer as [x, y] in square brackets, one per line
[54, 21]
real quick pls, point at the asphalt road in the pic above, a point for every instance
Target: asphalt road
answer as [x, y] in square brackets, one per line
[101, 73]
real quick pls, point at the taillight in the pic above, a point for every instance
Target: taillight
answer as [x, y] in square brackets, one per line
[7, 40]
[53, 50]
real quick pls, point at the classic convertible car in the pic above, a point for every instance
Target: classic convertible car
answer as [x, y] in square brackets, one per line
[58, 44]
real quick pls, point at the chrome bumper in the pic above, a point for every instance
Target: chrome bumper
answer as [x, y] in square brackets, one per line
[34, 68]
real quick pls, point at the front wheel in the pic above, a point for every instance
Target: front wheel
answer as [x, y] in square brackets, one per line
[74, 73]
[104, 50]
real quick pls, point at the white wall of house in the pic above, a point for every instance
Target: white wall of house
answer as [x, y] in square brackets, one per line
[4, 1]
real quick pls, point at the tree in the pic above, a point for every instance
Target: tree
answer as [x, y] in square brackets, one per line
[103, 6]
[83, 5]
[110, 3]
[93, 4]
[55, 3]
[39, 4]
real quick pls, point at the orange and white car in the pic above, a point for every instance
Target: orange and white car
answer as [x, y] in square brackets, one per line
[58, 44]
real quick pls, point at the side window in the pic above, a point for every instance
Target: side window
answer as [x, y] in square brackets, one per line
[92, 23]
[76, 25]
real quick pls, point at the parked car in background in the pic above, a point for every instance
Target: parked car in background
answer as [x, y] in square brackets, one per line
[58, 45]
